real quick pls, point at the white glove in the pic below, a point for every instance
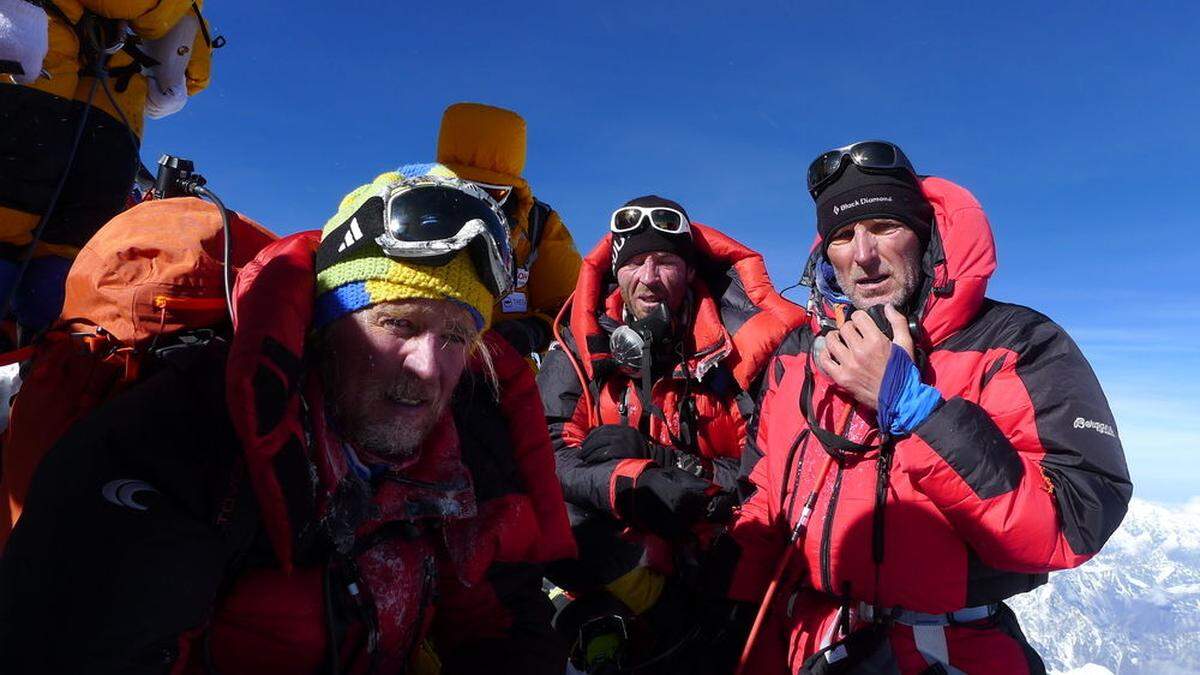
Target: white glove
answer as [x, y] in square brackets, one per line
[168, 80]
[24, 39]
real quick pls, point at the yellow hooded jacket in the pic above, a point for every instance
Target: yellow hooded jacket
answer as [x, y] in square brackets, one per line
[66, 59]
[149, 20]
[487, 144]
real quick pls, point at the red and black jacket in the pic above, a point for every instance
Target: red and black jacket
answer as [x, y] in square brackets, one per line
[736, 321]
[259, 547]
[1018, 472]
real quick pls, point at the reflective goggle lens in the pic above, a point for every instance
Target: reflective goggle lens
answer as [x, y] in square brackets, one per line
[666, 220]
[626, 219]
[874, 155]
[879, 155]
[437, 212]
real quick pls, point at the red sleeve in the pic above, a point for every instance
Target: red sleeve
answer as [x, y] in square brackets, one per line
[1032, 475]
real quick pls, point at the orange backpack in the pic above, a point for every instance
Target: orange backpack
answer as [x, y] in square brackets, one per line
[149, 277]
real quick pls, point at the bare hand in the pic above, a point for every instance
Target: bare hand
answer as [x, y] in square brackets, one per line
[856, 355]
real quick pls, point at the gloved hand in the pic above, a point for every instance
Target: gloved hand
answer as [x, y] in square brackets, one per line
[619, 441]
[665, 502]
[167, 92]
[613, 441]
[24, 39]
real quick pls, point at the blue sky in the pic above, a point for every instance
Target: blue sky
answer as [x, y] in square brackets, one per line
[1075, 126]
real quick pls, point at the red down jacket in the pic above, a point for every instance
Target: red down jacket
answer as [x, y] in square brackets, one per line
[224, 531]
[737, 320]
[1019, 472]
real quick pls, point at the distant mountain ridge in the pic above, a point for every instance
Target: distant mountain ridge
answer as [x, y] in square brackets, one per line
[1133, 609]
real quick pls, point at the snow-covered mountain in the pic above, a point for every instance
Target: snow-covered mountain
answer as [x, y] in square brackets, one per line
[1134, 608]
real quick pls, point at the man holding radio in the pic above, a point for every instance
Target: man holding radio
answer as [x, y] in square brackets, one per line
[921, 463]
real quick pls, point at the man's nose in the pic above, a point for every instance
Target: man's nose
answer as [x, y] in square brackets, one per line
[648, 272]
[865, 252]
[420, 355]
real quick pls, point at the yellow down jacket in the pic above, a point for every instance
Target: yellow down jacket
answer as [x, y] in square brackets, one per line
[487, 144]
[149, 20]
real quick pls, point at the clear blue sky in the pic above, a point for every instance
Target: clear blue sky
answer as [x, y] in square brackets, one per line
[1074, 124]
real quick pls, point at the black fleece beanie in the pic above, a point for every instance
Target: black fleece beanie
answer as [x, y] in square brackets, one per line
[646, 239]
[857, 195]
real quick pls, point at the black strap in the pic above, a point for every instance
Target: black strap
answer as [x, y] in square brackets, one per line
[835, 444]
[539, 213]
[121, 75]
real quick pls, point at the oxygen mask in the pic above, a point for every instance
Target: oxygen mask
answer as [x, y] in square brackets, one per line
[634, 344]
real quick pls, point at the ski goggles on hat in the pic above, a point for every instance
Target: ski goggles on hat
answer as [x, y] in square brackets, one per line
[499, 193]
[869, 155]
[429, 219]
[662, 218]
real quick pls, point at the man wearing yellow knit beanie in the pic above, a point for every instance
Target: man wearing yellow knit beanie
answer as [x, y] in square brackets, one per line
[358, 480]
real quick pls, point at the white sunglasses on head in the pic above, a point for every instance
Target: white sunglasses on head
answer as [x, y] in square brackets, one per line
[662, 218]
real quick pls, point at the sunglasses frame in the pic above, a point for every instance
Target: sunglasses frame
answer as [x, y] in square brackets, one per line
[508, 190]
[900, 161]
[647, 212]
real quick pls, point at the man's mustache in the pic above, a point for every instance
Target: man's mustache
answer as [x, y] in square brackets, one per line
[410, 388]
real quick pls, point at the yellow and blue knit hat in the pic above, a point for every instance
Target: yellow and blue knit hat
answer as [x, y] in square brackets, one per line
[353, 272]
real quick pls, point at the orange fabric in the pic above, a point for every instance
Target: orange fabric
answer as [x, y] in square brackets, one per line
[162, 248]
[151, 271]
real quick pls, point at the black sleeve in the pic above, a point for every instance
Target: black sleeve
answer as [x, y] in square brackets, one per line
[585, 485]
[116, 554]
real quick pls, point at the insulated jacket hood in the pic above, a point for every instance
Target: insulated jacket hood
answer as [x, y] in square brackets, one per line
[737, 315]
[265, 381]
[959, 260]
[274, 303]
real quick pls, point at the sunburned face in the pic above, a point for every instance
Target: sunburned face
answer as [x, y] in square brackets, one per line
[653, 278]
[877, 261]
[390, 369]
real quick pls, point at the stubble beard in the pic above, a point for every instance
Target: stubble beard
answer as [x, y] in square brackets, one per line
[908, 278]
[390, 439]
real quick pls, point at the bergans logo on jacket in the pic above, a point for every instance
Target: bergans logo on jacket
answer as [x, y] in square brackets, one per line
[997, 487]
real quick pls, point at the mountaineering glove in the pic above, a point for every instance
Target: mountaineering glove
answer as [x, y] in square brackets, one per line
[528, 334]
[904, 401]
[618, 441]
[612, 441]
[665, 502]
[24, 39]
[167, 92]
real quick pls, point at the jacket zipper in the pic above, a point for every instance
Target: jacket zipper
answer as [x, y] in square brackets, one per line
[827, 530]
[429, 566]
[799, 451]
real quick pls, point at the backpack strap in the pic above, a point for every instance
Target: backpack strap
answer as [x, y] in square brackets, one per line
[539, 213]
